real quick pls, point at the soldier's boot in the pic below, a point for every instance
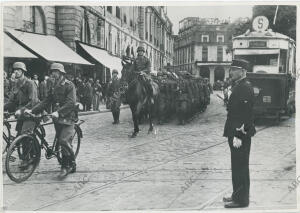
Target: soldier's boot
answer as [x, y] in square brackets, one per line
[64, 164]
[117, 117]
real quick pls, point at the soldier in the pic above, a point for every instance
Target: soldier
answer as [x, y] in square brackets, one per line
[142, 66]
[24, 95]
[239, 129]
[63, 96]
[114, 96]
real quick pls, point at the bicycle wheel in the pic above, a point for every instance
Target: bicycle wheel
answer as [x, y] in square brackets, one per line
[6, 137]
[76, 140]
[23, 156]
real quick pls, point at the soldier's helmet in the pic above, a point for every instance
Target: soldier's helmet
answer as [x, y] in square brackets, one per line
[115, 71]
[58, 66]
[19, 65]
[141, 48]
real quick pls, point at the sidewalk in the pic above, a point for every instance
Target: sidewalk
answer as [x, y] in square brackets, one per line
[102, 110]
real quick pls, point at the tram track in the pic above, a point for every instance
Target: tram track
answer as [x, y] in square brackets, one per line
[124, 179]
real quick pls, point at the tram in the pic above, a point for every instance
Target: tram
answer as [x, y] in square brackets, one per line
[273, 74]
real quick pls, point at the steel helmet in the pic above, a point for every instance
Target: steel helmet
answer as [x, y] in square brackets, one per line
[115, 71]
[19, 65]
[58, 66]
[140, 48]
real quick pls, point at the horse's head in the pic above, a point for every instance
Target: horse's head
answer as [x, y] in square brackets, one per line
[127, 69]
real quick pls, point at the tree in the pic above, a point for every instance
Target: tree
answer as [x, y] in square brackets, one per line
[285, 20]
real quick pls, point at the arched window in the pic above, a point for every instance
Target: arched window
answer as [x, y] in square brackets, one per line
[31, 19]
[39, 20]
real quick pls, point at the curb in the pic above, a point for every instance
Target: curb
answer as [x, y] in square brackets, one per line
[98, 112]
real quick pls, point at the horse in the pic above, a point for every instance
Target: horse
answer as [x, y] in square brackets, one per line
[136, 95]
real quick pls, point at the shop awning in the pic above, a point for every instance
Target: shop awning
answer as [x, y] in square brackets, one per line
[48, 47]
[103, 57]
[256, 51]
[14, 50]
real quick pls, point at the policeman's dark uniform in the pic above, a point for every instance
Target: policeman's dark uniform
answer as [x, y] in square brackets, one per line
[115, 99]
[240, 111]
[63, 95]
[25, 95]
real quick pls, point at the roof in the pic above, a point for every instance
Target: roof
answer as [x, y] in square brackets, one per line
[266, 34]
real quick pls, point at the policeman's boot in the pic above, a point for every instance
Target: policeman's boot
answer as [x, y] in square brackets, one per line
[71, 165]
[114, 116]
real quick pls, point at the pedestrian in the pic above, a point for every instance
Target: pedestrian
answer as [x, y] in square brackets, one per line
[7, 90]
[89, 94]
[24, 95]
[239, 128]
[97, 93]
[114, 96]
[43, 88]
[37, 83]
[63, 95]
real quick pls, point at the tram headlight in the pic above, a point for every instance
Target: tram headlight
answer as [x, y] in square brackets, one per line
[256, 91]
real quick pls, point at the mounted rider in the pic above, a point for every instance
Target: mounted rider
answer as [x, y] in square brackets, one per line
[142, 66]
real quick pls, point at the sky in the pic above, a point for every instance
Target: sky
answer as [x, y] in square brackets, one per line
[177, 13]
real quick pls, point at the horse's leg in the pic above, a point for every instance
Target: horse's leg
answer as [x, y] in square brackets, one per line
[150, 107]
[135, 121]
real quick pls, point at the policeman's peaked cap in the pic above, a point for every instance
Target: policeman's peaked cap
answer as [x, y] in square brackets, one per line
[140, 48]
[19, 65]
[241, 63]
[58, 66]
[115, 71]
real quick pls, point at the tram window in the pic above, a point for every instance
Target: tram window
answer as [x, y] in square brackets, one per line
[283, 60]
[270, 60]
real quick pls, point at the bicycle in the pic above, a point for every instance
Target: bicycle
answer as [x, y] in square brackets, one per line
[27, 147]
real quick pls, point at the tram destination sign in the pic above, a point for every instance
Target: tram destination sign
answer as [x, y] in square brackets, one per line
[257, 43]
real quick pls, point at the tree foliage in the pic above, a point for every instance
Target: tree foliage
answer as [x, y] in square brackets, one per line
[285, 20]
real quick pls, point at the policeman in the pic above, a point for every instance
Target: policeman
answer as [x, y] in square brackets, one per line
[63, 96]
[142, 66]
[239, 129]
[114, 96]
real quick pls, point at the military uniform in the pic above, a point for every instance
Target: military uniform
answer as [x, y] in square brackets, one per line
[25, 95]
[114, 99]
[240, 112]
[63, 95]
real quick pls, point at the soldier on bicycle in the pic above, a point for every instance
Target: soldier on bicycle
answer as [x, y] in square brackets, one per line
[24, 95]
[63, 96]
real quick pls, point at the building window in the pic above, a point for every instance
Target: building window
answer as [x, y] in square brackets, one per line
[118, 12]
[109, 9]
[205, 38]
[85, 30]
[220, 38]
[204, 53]
[125, 19]
[100, 33]
[219, 53]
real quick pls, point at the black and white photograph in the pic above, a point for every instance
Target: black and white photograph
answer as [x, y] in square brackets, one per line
[149, 106]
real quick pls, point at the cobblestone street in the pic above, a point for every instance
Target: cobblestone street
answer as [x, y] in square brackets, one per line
[177, 168]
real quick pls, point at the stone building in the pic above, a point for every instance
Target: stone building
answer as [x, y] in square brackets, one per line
[100, 34]
[201, 48]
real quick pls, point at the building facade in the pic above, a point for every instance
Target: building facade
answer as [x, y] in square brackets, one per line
[117, 30]
[202, 48]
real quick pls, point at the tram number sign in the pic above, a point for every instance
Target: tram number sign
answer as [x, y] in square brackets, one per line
[257, 44]
[260, 23]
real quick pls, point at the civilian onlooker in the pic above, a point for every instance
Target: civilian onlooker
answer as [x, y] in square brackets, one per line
[43, 90]
[6, 88]
[97, 94]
